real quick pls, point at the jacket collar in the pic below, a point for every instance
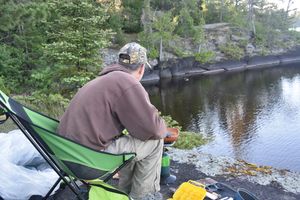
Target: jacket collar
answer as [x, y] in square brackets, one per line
[112, 68]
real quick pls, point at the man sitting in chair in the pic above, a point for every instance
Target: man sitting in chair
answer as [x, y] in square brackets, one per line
[115, 101]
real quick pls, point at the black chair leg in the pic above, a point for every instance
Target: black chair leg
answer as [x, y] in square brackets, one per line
[53, 187]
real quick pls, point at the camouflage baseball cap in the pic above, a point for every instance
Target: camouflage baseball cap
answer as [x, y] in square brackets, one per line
[133, 55]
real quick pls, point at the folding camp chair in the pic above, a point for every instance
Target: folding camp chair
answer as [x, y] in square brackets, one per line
[70, 160]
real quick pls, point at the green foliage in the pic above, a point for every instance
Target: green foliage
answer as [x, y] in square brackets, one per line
[132, 11]
[153, 53]
[266, 36]
[53, 46]
[119, 38]
[61, 80]
[295, 35]
[164, 4]
[68, 81]
[73, 83]
[178, 51]
[226, 12]
[170, 122]
[186, 139]
[195, 10]
[189, 140]
[269, 23]
[3, 87]
[185, 24]
[11, 60]
[190, 25]
[238, 19]
[232, 50]
[116, 22]
[213, 12]
[164, 26]
[41, 79]
[198, 32]
[205, 57]
[76, 32]
[152, 47]
[51, 104]
[243, 43]
[22, 35]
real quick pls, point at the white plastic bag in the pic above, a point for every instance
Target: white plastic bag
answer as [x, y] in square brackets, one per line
[23, 171]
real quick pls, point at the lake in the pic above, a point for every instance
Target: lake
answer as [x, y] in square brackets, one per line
[252, 115]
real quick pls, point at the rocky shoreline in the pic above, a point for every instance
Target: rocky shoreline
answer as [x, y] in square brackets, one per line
[188, 171]
[238, 169]
[178, 68]
[187, 67]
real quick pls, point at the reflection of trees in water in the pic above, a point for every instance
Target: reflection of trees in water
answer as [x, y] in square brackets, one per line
[230, 101]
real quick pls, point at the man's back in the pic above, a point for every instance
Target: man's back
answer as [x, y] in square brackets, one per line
[116, 100]
[100, 110]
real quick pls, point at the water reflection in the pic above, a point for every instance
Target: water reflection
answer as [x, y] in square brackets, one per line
[253, 115]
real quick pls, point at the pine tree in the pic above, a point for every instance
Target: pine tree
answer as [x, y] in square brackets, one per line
[132, 11]
[76, 33]
[21, 37]
[164, 27]
[185, 24]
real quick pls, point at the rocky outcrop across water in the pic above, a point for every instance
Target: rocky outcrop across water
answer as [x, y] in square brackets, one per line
[186, 67]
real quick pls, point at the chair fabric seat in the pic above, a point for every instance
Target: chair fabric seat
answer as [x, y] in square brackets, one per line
[71, 158]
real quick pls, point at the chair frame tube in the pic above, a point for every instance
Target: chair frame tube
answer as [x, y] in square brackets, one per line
[48, 159]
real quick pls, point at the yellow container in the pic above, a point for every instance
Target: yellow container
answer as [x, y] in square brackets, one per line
[190, 190]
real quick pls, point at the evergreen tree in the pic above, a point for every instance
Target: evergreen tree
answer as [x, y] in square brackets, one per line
[76, 33]
[185, 24]
[21, 36]
[132, 11]
[164, 27]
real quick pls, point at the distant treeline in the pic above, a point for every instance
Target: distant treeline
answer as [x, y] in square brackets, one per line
[53, 46]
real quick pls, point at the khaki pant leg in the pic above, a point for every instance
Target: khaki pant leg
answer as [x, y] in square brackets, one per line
[146, 176]
[142, 174]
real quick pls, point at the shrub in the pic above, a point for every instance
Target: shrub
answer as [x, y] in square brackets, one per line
[170, 122]
[75, 82]
[153, 53]
[51, 104]
[186, 139]
[189, 140]
[132, 11]
[243, 43]
[3, 87]
[11, 60]
[232, 51]
[295, 36]
[205, 57]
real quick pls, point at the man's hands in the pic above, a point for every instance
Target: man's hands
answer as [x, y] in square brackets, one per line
[172, 135]
[168, 134]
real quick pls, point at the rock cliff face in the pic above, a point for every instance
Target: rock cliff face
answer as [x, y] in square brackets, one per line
[220, 39]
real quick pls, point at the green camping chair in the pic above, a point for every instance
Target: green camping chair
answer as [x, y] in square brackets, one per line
[70, 160]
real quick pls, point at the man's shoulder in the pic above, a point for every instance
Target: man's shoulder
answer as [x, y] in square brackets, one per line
[122, 78]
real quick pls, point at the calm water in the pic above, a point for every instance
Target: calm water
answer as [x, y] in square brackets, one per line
[253, 115]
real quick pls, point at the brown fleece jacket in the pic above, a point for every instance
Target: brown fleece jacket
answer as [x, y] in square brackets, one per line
[102, 108]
